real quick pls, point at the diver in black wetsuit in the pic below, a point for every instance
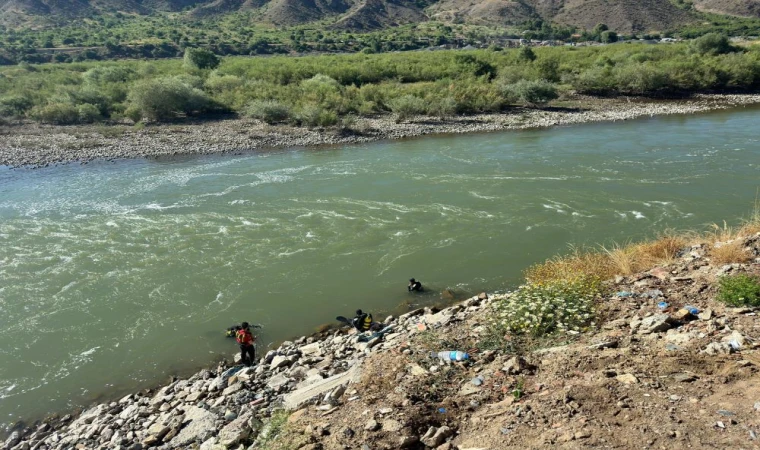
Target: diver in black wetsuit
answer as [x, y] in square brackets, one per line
[414, 286]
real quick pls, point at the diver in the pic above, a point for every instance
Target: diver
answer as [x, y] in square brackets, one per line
[363, 322]
[414, 286]
[245, 339]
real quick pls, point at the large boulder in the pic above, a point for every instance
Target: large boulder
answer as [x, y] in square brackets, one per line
[199, 425]
[235, 431]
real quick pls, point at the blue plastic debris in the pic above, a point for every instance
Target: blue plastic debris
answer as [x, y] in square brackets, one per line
[662, 305]
[623, 294]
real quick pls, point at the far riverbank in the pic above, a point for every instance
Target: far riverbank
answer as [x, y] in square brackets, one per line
[35, 145]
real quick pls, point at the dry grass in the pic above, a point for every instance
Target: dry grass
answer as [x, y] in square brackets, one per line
[732, 252]
[604, 263]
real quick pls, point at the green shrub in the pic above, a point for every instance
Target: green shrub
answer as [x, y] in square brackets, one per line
[407, 106]
[537, 309]
[739, 290]
[109, 74]
[200, 58]
[15, 105]
[223, 83]
[316, 116]
[527, 54]
[442, 107]
[530, 92]
[164, 99]
[88, 113]
[640, 79]
[269, 111]
[56, 113]
[711, 43]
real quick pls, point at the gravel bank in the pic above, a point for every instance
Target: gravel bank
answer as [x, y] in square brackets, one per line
[35, 145]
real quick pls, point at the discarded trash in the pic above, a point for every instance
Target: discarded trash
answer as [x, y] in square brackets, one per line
[505, 430]
[720, 424]
[725, 413]
[623, 294]
[672, 347]
[752, 435]
[694, 311]
[450, 355]
[477, 381]
[662, 305]
[442, 410]
[735, 344]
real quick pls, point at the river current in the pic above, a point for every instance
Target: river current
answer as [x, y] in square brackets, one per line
[115, 275]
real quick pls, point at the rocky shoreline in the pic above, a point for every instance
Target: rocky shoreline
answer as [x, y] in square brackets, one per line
[667, 367]
[35, 145]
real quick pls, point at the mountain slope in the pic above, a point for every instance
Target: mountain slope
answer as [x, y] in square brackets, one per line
[739, 8]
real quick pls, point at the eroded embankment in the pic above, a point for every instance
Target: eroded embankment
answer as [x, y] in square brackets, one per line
[678, 375]
[37, 145]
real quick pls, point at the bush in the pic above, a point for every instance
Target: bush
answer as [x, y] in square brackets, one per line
[15, 105]
[109, 74]
[407, 106]
[530, 92]
[56, 113]
[527, 54]
[316, 116]
[442, 108]
[538, 309]
[739, 290]
[200, 58]
[88, 113]
[165, 98]
[711, 43]
[269, 111]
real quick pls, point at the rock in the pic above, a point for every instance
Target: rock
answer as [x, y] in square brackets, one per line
[278, 380]
[417, 370]
[313, 349]
[392, 426]
[13, 439]
[660, 273]
[583, 434]
[627, 378]
[158, 430]
[407, 441]
[200, 425]
[229, 415]
[235, 431]
[372, 425]
[718, 348]
[468, 389]
[280, 361]
[195, 396]
[482, 296]
[655, 324]
[684, 378]
[515, 366]
[707, 314]
[683, 315]
[435, 437]
[231, 389]
[150, 441]
[477, 381]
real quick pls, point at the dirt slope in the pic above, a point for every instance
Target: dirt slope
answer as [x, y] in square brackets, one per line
[740, 8]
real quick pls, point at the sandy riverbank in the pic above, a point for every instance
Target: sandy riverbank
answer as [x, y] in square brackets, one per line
[36, 145]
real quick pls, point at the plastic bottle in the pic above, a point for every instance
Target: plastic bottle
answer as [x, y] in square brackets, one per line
[451, 355]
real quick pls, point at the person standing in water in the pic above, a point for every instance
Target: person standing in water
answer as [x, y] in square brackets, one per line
[245, 338]
[414, 286]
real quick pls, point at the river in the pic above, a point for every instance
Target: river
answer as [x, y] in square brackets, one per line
[115, 275]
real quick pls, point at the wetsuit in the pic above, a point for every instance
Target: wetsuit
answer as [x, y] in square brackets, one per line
[416, 286]
[246, 340]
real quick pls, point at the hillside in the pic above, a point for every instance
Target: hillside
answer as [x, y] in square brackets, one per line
[739, 8]
[624, 16]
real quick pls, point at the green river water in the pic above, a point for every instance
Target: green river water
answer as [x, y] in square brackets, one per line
[115, 275]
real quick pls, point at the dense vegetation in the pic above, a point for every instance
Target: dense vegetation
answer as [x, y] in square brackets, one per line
[321, 90]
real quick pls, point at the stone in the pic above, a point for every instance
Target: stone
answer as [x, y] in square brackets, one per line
[231, 389]
[718, 348]
[314, 349]
[280, 361]
[660, 273]
[278, 380]
[515, 366]
[407, 441]
[482, 296]
[468, 389]
[229, 415]
[417, 370]
[655, 324]
[684, 378]
[200, 425]
[372, 425]
[435, 437]
[707, 314]
[158, 430]
[392, 426]
[683, 315]
[150, 441]
[477, 381]
[195, 396]
[627, 378]
[235, 431]
[13, 439]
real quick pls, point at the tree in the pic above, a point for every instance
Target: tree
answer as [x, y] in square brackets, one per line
[599, 28]
[527, 54]
[608, 37]
[711, 43]
[200, 58]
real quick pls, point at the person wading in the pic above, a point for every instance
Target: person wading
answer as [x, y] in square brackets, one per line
[245, 338]
[414, 286]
